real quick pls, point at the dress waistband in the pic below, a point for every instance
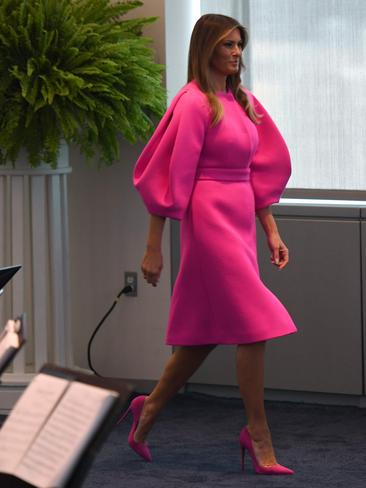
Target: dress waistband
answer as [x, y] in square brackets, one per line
[233, 174]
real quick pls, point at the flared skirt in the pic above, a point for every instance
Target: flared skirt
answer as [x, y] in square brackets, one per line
[218, 295]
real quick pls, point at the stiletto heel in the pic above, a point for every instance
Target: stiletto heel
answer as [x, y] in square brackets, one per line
[124, 415]
[141, 448]
[246, 442]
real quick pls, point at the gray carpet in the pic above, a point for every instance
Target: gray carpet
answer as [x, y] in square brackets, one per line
[195, 443]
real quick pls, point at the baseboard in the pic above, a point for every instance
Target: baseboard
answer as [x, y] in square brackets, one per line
[9, 394]
[282, 395]
[8, 397]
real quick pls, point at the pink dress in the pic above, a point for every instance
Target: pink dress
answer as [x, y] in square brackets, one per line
[213, 180]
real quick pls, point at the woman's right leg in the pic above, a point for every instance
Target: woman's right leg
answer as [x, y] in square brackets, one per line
[181, 365]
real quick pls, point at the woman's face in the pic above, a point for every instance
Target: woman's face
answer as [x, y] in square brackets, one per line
[227, 54]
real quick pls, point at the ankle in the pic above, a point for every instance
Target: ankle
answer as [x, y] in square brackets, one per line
[258, 431]
[151, 408]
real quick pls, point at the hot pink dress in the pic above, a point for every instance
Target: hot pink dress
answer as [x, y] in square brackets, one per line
[213, 180]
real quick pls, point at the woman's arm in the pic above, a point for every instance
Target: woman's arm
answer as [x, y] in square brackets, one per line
[152, 262]
[279, 252]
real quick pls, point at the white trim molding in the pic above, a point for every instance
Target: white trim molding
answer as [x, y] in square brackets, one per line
[34, 233]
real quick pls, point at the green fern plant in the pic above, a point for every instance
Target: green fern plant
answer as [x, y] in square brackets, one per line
[74, 70]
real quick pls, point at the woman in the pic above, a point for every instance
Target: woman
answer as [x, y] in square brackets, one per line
[214, 163]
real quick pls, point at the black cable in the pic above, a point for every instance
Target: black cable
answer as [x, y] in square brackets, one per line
[126, 289]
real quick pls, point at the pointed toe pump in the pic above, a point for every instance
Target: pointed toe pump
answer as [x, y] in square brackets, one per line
[141, 448]
[246, 443]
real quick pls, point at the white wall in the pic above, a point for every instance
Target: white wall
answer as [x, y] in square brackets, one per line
[108, 230]
[182, 17]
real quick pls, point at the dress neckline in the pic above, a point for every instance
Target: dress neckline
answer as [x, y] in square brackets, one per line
[225, 94]
[221, 93]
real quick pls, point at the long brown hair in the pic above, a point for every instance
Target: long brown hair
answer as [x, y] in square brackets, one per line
[209, 30]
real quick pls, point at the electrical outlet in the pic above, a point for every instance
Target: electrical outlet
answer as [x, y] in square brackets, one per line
[131, 279]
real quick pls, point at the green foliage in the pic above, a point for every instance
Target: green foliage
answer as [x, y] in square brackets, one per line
[74, 70]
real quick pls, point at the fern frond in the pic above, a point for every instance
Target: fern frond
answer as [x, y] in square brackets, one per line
[75, 70]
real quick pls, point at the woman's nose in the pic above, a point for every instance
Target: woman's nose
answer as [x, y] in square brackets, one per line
[237, 50]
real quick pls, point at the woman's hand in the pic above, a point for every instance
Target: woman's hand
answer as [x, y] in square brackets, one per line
[152, 264]
[279, 252]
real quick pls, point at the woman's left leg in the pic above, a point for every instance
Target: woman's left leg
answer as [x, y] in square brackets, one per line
[250, 374]
[180, 367]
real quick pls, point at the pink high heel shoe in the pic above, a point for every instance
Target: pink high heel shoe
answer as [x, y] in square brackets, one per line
[246, 442]
[136, 407]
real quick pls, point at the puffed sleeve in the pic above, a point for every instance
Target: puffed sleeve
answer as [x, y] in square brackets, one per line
[270, 168]
[164, 173]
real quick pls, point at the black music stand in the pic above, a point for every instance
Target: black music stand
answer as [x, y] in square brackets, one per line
[6, 275]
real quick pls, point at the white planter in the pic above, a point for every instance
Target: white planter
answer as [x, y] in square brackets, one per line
[34, 233]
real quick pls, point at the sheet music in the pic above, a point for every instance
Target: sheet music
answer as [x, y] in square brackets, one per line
[59, 446]
[28, 417]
